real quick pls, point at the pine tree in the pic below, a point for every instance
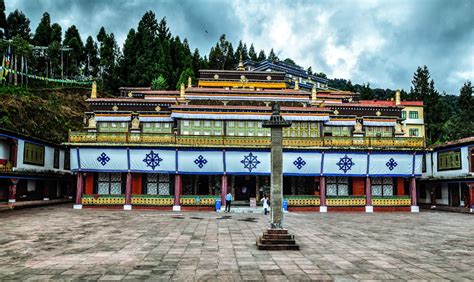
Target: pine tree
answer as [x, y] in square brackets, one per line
[466, 108]
[252, 53]
[197, 61]
[310, 70]
[43, 32]
[76, 55]
[18, 24]
[128, 72]
[56, 33]
[159, 83]
[366, 92]
[3, 19]
[92, 59]
[261, 56]
[272, 57]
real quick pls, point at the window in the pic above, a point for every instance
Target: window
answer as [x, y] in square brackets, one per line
[449, 160]
[413, 115]
[404, 115]
[413, 132]
[33, 154]
[379, 131]
[337, 186]
[113, 126]
[56, 158]
[67, 159]
[337, 131]
[382, 186]
[185, 122]
[157, 184]
[109, 184]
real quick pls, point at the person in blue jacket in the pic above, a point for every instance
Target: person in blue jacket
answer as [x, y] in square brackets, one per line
[228, 201]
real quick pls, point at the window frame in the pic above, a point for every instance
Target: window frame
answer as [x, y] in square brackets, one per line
[56, 156]
[452, 156]
[33, 154]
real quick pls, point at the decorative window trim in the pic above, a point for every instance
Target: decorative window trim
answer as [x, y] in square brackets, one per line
[449, 160]
[33, 154]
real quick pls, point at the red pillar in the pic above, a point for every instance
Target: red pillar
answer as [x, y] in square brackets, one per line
[471, 198]
[128, 192]
[79, 187]
[12, 190]
[178, 185]
[322, 194]
[368, 195]
[224, 189]
[414, 206]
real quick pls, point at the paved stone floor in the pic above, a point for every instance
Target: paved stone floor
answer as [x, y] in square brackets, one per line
[60, 243]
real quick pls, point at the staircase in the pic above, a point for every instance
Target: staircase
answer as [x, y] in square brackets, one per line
[277, 240]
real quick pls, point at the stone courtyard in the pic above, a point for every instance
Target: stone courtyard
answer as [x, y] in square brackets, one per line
[58, 242]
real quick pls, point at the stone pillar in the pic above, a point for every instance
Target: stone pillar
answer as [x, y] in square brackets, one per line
[223, 190]
[414, 206]
[368, 195]
[128, 192]
[12, 190]
[322, 194]
[79, 188]
[276, 191]
[178, 186]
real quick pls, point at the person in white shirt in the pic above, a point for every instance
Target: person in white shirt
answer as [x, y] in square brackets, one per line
[266, 203]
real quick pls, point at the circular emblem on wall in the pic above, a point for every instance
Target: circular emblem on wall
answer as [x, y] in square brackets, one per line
[336, 112]
[269, 78]
[157, 108]
[378, 113]
[242, 77]
[115, 108]
[130, 94]
[216, 76]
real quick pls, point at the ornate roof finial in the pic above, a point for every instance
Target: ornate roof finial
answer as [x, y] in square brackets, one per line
[397, 97]
[94, 90]
[241, 63]
[190, 80]
[314, 94]
[297, 85]
[181, 91]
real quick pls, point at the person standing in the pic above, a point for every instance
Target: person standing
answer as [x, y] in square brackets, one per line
[265, 202]
[228, 201]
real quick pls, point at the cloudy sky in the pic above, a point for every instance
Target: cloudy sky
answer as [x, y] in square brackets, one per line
[381, 42]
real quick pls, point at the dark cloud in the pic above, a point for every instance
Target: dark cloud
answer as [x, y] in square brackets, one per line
[381, 42]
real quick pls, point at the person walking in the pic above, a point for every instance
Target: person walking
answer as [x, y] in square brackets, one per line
[228, 201]
[266, 205]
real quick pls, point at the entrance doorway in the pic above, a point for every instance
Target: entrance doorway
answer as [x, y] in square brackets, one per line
[245, 187]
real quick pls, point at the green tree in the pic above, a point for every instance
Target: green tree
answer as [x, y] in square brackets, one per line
[3, 19]
[322, 75]
[366, 92]
[252, 53]
[466, 110]
[54, 55]
[310, 70]
[261, 56]
[222, 56]
[159, 83]
[183, 78]
[75, 57]
[56, 33]
[18, 25]
[241, 50]
[272, 57]
[289, 61]
[92, 58]
[43, 32]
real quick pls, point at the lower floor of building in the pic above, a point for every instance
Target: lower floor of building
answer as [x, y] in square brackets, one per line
[452, 193]
[176, 190]
[24, 188]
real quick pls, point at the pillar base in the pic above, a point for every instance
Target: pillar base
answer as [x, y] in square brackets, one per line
[45, 199]
[471, 209]
[127, 207]
[415, 209]
[323, 209]
[176, 208]
[369, 209]
[77, 207]
[11, 201]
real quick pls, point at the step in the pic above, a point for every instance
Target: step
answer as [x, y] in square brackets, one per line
[276, 231]
[277, 241]
[278, 236]
[278, 247]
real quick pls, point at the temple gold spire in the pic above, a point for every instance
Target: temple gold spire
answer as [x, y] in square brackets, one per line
[314, 94]
[94, 90]
[241, 64]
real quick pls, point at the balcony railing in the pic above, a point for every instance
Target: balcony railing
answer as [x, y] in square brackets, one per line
[203, 140]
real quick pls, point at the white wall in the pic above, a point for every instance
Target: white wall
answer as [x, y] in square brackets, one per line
[433, 171]
[48, 159]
